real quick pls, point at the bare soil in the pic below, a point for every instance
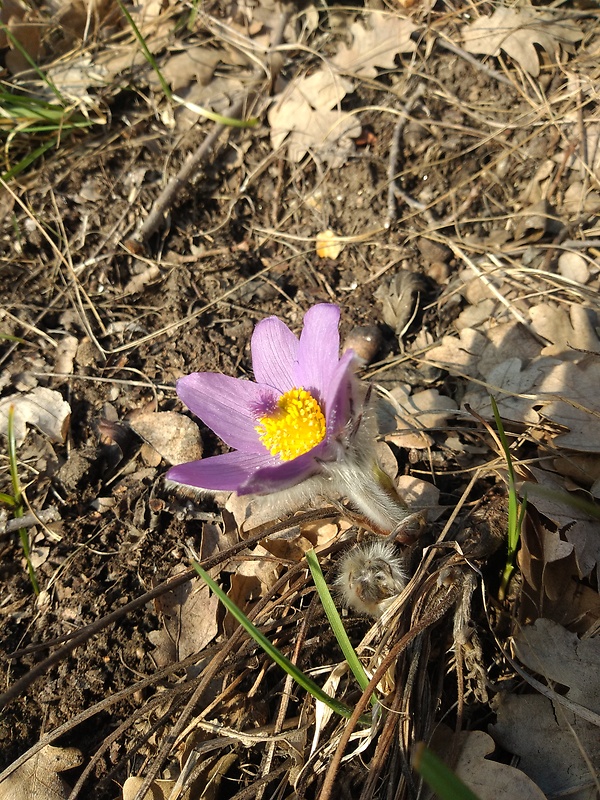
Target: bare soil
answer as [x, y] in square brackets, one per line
[236, 245]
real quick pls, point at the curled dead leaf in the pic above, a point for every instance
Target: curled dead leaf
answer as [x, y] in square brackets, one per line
[329, 245]
[38, 778]
[44, 408]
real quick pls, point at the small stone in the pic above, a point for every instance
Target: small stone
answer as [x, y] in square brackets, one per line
[366, 342]
[175, 437]
[438, 272]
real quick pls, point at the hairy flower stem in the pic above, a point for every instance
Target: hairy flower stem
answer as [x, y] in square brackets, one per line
[370, 491]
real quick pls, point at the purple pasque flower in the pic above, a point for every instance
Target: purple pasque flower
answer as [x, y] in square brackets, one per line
[300, 432]
[285, 425]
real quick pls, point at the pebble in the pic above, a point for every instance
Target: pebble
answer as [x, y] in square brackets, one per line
[365, 340]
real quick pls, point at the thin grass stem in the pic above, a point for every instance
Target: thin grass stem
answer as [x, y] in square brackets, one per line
[17, 496]
[276, 655]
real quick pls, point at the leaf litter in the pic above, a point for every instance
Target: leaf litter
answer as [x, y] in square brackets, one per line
[518, 318]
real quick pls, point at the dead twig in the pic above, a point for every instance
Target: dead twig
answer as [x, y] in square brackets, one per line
[179, 181]
[31, 518]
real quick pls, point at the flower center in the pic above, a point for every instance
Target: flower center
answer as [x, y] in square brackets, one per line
[294, 427]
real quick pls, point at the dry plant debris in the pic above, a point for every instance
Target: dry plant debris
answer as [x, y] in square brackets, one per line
[434, 170]
[517, 31]
[39, 778]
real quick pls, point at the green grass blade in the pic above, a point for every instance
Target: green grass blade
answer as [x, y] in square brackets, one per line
[336, 623]
[515, 512]
[147, 54]
[445, 783]
[40, 73]
[8, 500]
[27, 160]
[301, 679]
[205, 112]
[17, 498]
[8, 337]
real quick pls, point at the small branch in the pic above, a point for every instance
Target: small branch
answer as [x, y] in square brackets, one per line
[44, 517]
[172, 191]
[179, 181]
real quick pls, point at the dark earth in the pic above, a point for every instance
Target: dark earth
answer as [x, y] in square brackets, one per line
[237, 245]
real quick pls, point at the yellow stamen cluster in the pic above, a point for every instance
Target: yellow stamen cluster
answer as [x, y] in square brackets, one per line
[295, 426]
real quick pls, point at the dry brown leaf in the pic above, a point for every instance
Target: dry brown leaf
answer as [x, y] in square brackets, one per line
[517, 31]
[288, 545]
[508, 361]
[159, 789]
[561, 656]
[548, 740]
[189, 615]
[38, 778]
[419, 496]
[577, 409]
[578, 607]
[486, 778]
[490, 779]
[376, 45]
[217, 96]
[44, 408]
[460, 354]
[414, 414]
[328, 245]
[250, 581]
[579, 199]
[302, 116]
[579, 529]
[506, 382]
[196, 64]
[77, 75]
[567, 330]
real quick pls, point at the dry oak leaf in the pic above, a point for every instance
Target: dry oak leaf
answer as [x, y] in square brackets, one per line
[38, 778]
[43, 408]
[304, 113]
[579, 529]
[189, 617]
[569, 331]
[517, 31]
[486, 778]
[561, 656]
[550, 742]
[415, 413]
[575, 387]
[514, 387]
[376, 45]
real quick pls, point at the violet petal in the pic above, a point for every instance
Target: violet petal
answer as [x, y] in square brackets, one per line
[220, 473]
[229, 406]
[319, 348]
[274, 478]
[339, 396]
[274, 351]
